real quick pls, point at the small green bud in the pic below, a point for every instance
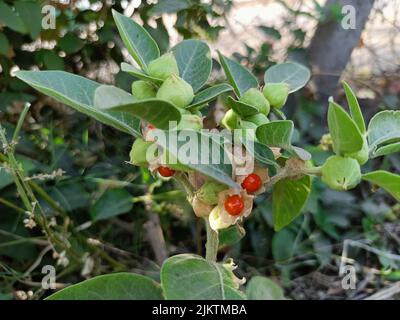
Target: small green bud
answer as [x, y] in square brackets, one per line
[341, 173]
[258, 119]
[177, 91]
[361, 156]
[230, 120]
[190, 122]
[276, 94]
[208, 193]
[143, 90]
[163, 67]
[255, 98]
[138, 154]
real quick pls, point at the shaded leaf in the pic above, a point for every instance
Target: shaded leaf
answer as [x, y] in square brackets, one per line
[139, 73]
[386, 180]
[292, 73]
[209, 94]
[117, 286]
[384, 128]
[238, 76]
[194, 62]
[262, 288]
[244, 110]
[112, 203]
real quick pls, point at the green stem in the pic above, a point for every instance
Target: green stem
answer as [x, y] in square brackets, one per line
[212, 242]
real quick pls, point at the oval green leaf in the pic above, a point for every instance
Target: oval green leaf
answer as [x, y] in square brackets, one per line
[190, 277]
[137, 40]
[209, 94]
[238, 76]
[292, 73]
[386, 180]
[244, 110]
[112, 203]
[117, 286]
[288, 200]
[384, 128]
[139, 73]
[78, 93]
[346, 137]
[194, 62]
[262, 288]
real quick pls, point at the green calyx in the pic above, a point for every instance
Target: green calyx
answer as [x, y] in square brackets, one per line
[258, 119]
[143, 90]
[138, 155]
[163, 67]
[361, 156]
[341, 173]
[276, 94]
[177, 91]
[190, 122]
[208, 193]
[255, 98]
[230, 120]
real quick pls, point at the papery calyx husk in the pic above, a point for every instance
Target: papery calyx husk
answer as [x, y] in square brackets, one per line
[200, 208]
[164, 66]
[341, 173]
[177, 91]
[255, 98]
[143, 90]
[276, 94]
[209, 191]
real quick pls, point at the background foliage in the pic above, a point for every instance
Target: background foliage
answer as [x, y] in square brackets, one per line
[106, 213]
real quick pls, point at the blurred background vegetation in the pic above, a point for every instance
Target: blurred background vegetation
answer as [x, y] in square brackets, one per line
[105, 215]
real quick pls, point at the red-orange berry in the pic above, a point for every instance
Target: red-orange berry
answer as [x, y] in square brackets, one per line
[252, 183]
[165, 171]
[234, 205]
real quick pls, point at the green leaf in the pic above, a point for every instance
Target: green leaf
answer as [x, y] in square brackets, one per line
[262, 153]
[52, 61]
[78, 92]
[168, 6]
[30, 13]
[202, 152]
[262, 288]
[157, 112]
[231, 235]
[276, 134]
[244, 110]
[4, 44]
[288, 199]
[190, 277]
[355, 109]
[11, 19]
[238, 76]
[209, 94]
[137, 40]
[346, 137]
[386, 180]
[385, 150]
[139, 73]
[384, 129]
[112, 203]
[116, 286]
[294, 74]
[194, 62]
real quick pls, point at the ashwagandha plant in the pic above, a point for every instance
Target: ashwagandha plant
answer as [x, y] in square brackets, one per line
[166, 103]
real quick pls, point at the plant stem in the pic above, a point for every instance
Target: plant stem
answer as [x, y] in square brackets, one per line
[212, 242]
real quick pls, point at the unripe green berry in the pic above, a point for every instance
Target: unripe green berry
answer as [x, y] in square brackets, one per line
[258, 119]
[276, 94]
[163, 67]
[361, 156]
[177, 91]
[230, 120]
[143, 90]
[208, 193]
[341, 173]
[190, 122]
[138, 154]
[255, 98]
